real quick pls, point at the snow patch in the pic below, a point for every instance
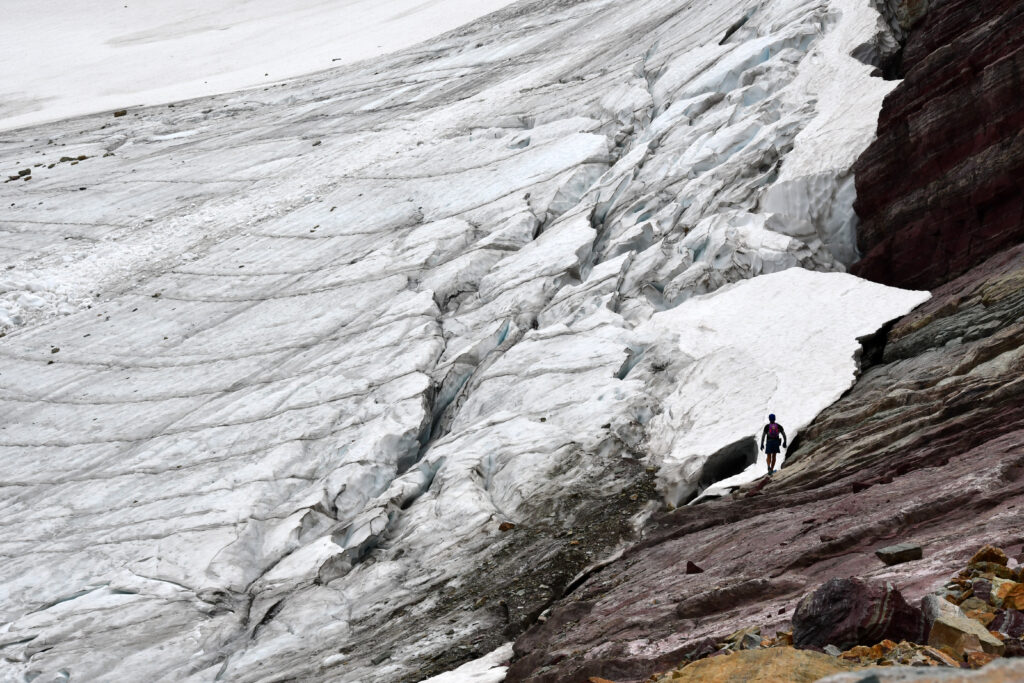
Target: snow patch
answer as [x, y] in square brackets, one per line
[490, 668]
[784, 343]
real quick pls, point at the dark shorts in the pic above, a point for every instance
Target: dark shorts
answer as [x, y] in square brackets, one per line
[772, 446]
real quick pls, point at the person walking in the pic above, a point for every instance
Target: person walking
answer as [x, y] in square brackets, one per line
[771, 437]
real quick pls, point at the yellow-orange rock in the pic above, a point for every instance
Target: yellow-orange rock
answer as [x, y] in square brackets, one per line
[990, 553]
[976, 660]
[596, 679]
[939, 656]
[762, 666]
[1011, 594]
[983, 617]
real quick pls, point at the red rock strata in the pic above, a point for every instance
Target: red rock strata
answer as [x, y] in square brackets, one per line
[942, 187]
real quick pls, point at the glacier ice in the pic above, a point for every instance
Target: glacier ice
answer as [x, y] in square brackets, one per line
[279, 365]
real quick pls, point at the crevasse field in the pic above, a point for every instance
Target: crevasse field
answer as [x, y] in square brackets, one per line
[278, 363]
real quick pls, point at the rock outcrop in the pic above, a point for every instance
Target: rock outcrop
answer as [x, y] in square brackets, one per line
[942, 187]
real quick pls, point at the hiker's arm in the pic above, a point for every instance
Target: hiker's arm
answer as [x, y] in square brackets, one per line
[785, 439]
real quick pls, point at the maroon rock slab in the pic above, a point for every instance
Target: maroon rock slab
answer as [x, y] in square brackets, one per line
[849, 612]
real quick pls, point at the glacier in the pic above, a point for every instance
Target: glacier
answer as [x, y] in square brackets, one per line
[349, 376]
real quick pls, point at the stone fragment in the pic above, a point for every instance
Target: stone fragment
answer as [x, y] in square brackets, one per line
[982, 616]
[1009, 622]
[976, 660]
[737, 636]
[691, 568]
[900, 553]
[598, 679]
[506, 526]
[772, 664]
[984, 568]
[848, 612]
[120, 112]
[939, 657]
[903, 652]
[974, 603]
[832, 651]
[982, 589]
[989, 553]
[750, 641]
[1013, 647]
[963, 635]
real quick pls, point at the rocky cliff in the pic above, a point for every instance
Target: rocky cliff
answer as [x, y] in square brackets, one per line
[942, 188]
[927, 447]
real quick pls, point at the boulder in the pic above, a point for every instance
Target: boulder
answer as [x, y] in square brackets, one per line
[900, 553]
[962, 635]
[848, 612]
[990, 553]
[760, 666]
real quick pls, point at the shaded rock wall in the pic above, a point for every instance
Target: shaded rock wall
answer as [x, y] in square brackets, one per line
[942, 187]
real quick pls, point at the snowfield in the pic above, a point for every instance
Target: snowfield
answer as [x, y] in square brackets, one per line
[67, 59]
[348, 378]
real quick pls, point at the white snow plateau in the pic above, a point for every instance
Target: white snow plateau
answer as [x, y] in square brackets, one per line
[349, 376]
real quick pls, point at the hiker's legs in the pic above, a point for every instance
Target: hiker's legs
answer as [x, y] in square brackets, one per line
[771, 462]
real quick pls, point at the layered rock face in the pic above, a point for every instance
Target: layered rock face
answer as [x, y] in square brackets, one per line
[942, 187]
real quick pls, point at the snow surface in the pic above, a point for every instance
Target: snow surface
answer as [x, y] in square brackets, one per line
[64, 58]
[783, 343]
[278, 363]
[490, 668]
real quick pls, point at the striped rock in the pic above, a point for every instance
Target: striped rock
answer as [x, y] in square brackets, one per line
[849, 612]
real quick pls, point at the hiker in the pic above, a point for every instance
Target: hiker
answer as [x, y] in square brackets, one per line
[773, 434]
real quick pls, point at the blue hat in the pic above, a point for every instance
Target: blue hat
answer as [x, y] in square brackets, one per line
[771, 418]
